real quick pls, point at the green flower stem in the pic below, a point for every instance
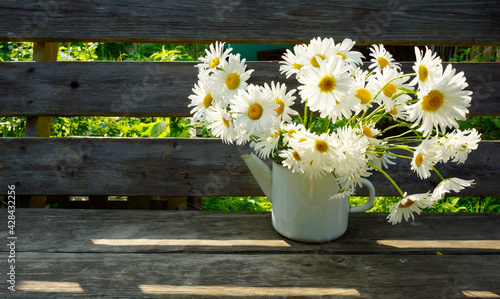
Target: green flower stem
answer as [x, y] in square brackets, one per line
[398, 156]
[311, 117]
[300, 118]
[437, 172]
[376, 111]
[399, 147]
[389, 178]
[305, 115]
[393, 127]
[360, 119]
[327, 124]
[398, 77]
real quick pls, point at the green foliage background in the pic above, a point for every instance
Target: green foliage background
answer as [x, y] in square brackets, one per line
[178, 127]
[104, 126]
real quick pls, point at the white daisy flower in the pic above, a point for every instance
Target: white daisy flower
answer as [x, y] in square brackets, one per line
[459, 144]
[290, 64]
[426, 155]
[293, 160]
[382, 59]
[427, 66]
[407, 205]
[253, 110]
[353, 58]
[283, 99]
[201, 100]
[266, 144]
[320, 154]
[441, 103]
[317, 49]
[328, 89]
[380, 157]
[451, 184]
[399, 112]
[370, 131]
[376, 152]
[214, 55]
[388, 88]
[352, 165]
[220, 123]
[293, 131]
[365, 91]
[342, 193]
[229, 79]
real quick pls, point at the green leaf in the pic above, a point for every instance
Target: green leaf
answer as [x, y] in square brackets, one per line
[159, 128]
[496, 121]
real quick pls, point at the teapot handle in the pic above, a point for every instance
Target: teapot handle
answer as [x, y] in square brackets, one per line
[370, 201]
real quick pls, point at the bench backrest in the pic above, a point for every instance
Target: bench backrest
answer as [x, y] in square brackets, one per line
[198, 166]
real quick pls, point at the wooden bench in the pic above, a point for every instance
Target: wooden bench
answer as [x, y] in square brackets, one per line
[132, 254]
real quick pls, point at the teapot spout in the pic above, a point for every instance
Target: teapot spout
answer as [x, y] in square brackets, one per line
[261, 172]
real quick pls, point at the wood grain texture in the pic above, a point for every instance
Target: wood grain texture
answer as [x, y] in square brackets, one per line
[122, 231]
[61, 260]
[161, 88]
[69, 275]
[394, 22]
[184, 167]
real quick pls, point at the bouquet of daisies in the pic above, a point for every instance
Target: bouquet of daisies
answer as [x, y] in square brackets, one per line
[337, 132]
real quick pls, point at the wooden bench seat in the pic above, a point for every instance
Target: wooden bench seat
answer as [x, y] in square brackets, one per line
[151, 254]
[65, 253]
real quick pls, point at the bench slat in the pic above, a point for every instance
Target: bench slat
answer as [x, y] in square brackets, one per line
[122, 231]
[197, 21]
[140, 275]
[81, 259]
[183, 167]
[160, 88]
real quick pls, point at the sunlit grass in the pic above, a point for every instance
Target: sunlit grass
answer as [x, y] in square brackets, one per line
[447, 204]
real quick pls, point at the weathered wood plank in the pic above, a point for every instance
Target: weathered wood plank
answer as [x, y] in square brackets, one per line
[396, 22]
[183, 275]
[184, 167]
[122, 231]
[220, 256]
[160, 89]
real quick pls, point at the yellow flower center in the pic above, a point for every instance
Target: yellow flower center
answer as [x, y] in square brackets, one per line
[225, 121]
[394, 111]
[341, 55]
[432, 101]
[233, 81]
[276, 134]
[326, 84]
[367, 131]
[214, 62]
[407, 204]
[321, 146]
[255, 111]
[423, 73]
[291, 132]
[207, 101]
[314, 62]
[297, 66]
[280, 109]
[364, 95]
[419, 159]
[389, 90]
[382, 62]
[296, 156]
[302, 140]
